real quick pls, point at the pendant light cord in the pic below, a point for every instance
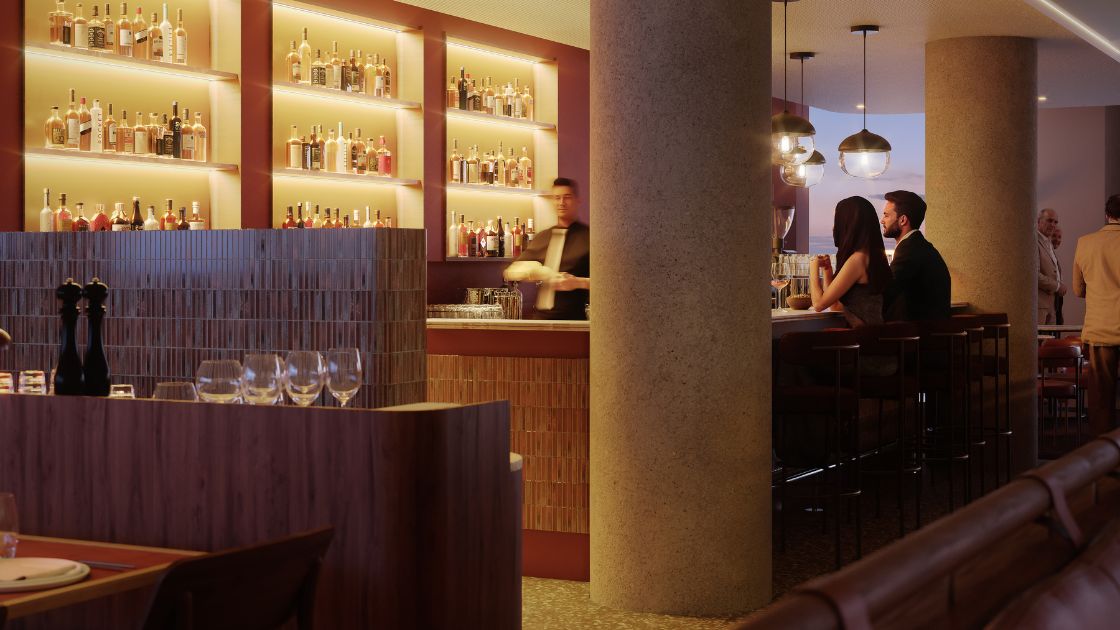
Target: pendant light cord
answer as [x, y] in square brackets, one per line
[865, 78]
[785, 56]
[803, 81]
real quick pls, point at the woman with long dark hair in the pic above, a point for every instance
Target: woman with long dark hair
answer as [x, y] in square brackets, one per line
[862, 273]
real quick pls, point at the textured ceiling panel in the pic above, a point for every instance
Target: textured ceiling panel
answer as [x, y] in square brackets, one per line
[564, 21]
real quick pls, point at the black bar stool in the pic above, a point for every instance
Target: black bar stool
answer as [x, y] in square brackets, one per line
[997, 365]
[945, 385]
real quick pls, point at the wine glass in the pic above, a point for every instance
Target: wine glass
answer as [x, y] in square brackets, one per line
[219, 381]
[9, 525]
[304, 375]
[262, 379]
[344, 373]
[180, 391]
[779, 278]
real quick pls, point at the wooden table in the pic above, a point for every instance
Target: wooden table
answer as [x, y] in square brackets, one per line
[150, 562]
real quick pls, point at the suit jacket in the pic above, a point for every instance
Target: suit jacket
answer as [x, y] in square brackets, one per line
[921, 286]
[1096, 277]
[575, 260]
[1059, 301]
[1047, 274]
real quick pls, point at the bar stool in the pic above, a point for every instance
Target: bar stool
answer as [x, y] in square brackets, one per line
[997, 365]
[889, 371]
[946, 385]
[973, 326]
[1059, 382]
[816, 417]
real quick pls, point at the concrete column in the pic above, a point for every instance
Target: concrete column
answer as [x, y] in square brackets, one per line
[680, 344]
[981, 156]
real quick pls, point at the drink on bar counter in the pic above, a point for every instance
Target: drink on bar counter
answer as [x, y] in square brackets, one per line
[158, 41]
[511, 101]
[368, 74]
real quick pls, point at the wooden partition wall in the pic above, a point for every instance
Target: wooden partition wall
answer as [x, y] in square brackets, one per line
[423, 500]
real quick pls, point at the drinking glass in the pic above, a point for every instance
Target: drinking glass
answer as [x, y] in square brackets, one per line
[32, 382]
[779, 278]
[344, 373]
[304, 374]
[6, 384]
[175, 391]
[262, 379]
[9, 525]
[122, 390]
[219, 381]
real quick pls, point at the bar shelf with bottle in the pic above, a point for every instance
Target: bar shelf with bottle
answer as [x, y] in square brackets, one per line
[349, 82]
[125, 159]
[498, 120]
[500, 190]
[86, 56]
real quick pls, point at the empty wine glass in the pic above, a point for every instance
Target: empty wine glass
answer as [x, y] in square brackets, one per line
[304, 374]
[219, 381]
[262, 379]
[122, 390]
[344, 373]
[180, 391]
[9, 525]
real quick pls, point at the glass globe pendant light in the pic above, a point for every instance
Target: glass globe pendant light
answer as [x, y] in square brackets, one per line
[865, 154]
[791, 136]
[811, 172]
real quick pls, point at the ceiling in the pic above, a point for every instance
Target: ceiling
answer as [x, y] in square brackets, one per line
[1072, 72]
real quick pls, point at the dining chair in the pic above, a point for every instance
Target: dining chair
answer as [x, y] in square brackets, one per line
[261, 587]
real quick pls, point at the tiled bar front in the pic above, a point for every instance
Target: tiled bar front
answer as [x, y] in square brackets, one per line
[178, 298]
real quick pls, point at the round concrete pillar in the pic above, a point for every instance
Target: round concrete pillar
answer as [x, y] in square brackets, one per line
[981, 155]
[680, 344]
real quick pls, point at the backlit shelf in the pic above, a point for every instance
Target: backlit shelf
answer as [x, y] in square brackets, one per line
[482, 259]
[498, 190]
[298, 89]
[375, 180]
[123, 159]
[498, 120]
[101, 59]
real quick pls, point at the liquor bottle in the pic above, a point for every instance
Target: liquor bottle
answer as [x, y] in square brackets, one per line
[46, 215]
[472, 240]
[182, 224]
[80, 32]
[168, 37]
[155, 37]
[304, 153]
[525, 169]
[96, 379]
[109, 132]
[54, 131]
[305, 59]
[61, 24]
[63, 220]
[371, 77]
[110, 31]
[289, 221]
[318, 70]
[454, 162]
[388, 222]
[126, 135]
[491, 239]
[151, 223]
[518, 100]
[188, 135]
[309, 220]
[95, 32]
[337, 218]
[180, 39]
[137, 222]
[155, 135]
[356, 222]
[462, 86]
[291, 64]
[73, 124]
[474, 103]
[529, 234]
[100, 221]
[142, 44]
[140, 141]
[499, 101]
[528, 110]
[501, 231]
[384, 159]
[317, 221]
[510, 98]
[80, 223]
[371, 158]
[386, 78]
[473, 166]
[97, 127]
[330, 155]
[169, 137]
[345, 221]
[516, 236]
[357, 73]
[342, 161]
[334, 68]
[501, 177]
[488, 96]
[328, 222]
[85, 127]
[295, 150]
[167, 221]
[358, 151]
[299, 216]
[201, 140]
[484, 172]
[176, 131]
[452, 235]
[369, 219]
[452, 94]
[316, 151]
[120, 222]
[124, 33]
[196, 222]
[378, 223]
[507, 236]
[68, 377]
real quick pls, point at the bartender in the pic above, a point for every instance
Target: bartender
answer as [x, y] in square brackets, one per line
[564, 250]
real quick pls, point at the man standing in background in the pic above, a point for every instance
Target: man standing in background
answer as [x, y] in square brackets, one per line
[1059, 300]
[1096, 277]
[1049, 279]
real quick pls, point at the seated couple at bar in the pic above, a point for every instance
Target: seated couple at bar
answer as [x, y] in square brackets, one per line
[865, 287]
[561, 259]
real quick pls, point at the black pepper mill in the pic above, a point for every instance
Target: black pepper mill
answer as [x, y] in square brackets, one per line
[96, 369]
[68, 375]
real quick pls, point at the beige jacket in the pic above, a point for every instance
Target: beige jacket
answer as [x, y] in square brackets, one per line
[1047, 273]
[1096, 277]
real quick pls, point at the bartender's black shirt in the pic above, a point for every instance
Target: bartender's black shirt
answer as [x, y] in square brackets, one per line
[576, 260]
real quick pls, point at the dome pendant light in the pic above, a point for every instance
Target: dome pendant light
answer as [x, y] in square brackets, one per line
[865, 155]
[812, 171]
[791, 137]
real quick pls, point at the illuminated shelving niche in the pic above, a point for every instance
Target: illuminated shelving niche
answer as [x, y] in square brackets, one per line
[209, 84]
[400, 118]
[538, 136]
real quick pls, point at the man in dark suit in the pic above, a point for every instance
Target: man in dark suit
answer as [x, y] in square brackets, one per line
[921, 286]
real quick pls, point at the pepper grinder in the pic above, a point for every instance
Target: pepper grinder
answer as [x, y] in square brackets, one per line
[96, 368]
[68, 375]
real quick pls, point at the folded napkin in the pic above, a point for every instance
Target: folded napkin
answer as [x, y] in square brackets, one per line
[17, 569]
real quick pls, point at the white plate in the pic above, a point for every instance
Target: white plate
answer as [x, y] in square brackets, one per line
[77, 574]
